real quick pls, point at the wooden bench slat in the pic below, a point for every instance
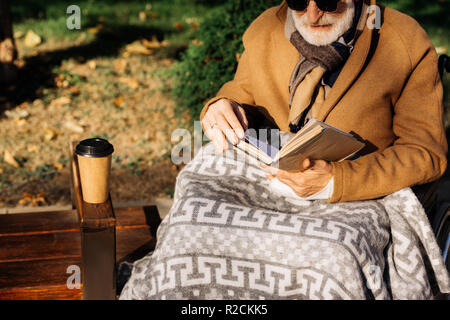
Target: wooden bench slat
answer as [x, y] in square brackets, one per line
[42, 293]
[40, 246]
[35, 273]
[34, 222]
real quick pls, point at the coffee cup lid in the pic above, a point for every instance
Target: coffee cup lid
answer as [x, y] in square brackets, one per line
[94, 148]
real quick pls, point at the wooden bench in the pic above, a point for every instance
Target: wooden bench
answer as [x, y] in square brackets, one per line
[38, 249]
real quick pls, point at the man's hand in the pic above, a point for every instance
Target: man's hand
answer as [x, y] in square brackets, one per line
[224, 119]
[306, 183]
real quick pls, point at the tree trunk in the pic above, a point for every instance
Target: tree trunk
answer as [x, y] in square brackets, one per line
[8, 51]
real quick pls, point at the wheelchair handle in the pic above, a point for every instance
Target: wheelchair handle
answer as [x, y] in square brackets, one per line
[444, 64]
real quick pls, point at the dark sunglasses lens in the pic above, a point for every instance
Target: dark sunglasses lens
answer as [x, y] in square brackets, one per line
[297, 5]
[327, 5]
[324, 5]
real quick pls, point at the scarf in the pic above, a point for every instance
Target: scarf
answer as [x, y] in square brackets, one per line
[318, 67]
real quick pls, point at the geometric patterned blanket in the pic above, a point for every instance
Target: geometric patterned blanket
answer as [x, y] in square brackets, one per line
[229, 236]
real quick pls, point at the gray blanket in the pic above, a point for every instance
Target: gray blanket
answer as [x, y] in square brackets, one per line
[229, 236]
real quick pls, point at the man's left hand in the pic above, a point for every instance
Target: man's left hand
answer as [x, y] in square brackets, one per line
[316, 176]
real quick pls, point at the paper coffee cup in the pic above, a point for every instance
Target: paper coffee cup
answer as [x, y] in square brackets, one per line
[94, 163]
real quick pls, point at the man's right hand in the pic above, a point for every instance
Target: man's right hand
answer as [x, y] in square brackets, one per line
[224, 118]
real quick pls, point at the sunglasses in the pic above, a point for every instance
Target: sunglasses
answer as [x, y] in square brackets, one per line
[324, 5]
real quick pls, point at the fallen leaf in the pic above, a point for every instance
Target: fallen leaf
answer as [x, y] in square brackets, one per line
[58, 166]
[441, 50]
[154, 43]
[50, 134]
[178, 26]
[32, 39]
[20, 122]
[120, 65]
[32, 148]
[142, 16]
[197, 43]
[74, 91]
[18, 34]
[61, 101]
[1, 172]
[17, 114]
[118, 101]
[40, 198]
[132, 83]
[137, 47]
[19, 63]
[73, 127]
[9, 158]
[195, 25]
[27, 196]
[33, 200]
[92, 65]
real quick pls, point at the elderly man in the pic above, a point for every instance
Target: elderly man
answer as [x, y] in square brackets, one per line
[229, 236]
[382, 85]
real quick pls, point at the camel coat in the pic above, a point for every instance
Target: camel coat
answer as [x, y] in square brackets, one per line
[389, 93]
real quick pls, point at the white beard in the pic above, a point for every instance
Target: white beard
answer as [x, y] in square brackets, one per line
[339, 25]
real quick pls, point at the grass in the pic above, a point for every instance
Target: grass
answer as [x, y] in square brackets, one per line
[47, 17]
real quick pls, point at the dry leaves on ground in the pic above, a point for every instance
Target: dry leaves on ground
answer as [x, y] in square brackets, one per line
[33, 200]
[132, 83]
[32, 39]
[137, 47]
[9, 158]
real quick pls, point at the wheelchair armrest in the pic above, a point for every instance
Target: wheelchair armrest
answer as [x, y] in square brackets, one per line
[428, 196]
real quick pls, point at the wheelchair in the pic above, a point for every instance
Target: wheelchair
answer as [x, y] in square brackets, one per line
[435, 196]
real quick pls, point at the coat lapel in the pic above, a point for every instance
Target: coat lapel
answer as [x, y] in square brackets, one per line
[349, 73]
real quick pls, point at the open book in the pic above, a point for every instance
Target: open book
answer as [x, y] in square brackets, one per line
[316, 140]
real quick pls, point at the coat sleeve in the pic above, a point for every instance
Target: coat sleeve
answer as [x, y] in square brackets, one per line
[239, 89]
[418, 154]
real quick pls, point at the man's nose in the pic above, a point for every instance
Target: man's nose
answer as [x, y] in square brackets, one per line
[313, 12]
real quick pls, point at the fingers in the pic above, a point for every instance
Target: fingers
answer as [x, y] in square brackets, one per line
[307, 164]
[225, 127]
[221, 115]
[229, 114]
[271, 170]
[219, 140]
